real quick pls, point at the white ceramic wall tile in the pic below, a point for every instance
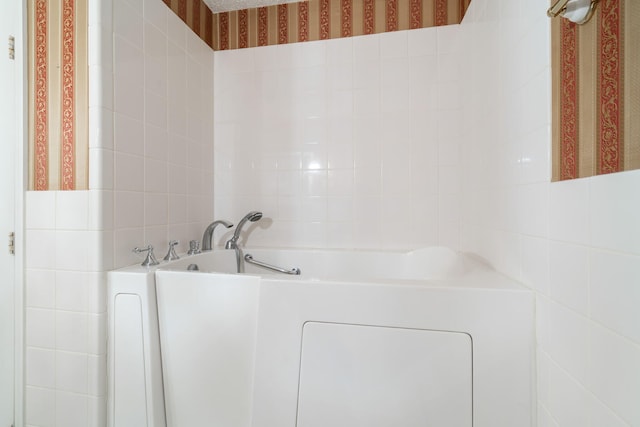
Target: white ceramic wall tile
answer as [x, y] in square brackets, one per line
[40, 288]
[614, 292]
[569, 211]
[97, 340]
[614, 371]
[72, 291]
[422, 42]
[394, 45]
[71, 331]
[40, 367]
[602, 416]
[128, 22]
[366, 48]
[567, 399]
[73, 250]
[71, 372]
[71, 409]
[97, 411]
[40, 406]
[614, 212]
[101, 172]
[569, 275]
[535, 263]
[41, 212]
[128, 134]
[569, 340]
[40, 249]
[101, 131]
[72, 210]
[97, 375]
[40, 328]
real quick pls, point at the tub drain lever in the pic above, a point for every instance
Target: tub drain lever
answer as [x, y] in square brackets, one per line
[249, 258]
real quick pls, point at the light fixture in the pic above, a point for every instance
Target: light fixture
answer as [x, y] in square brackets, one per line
[578, 11]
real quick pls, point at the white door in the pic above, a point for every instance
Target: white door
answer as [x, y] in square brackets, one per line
[9, 26]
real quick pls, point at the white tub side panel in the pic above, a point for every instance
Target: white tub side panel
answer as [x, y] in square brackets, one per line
[354, 375]
[208, 336]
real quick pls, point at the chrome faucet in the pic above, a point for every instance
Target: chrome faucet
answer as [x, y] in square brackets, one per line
[232, 243]
[207, 237]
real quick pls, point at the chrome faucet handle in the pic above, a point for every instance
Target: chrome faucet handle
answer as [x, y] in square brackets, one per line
[150, 259]
[171, 254]
[194, 247]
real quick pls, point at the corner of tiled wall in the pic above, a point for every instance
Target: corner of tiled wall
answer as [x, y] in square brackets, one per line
[575, 243]
[151, 180]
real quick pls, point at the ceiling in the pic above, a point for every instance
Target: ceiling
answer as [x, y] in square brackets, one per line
[228, 5]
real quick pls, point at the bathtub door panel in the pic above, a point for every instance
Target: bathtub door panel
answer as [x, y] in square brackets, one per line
[207, 335]
[354, 375]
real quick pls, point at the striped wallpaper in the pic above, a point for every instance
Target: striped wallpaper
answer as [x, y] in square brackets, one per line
[313, 20]
[58, 95]
[596, 92]
[58, 67]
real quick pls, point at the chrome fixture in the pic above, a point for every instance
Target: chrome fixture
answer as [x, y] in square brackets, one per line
[150, 258]
[171, 254]
[207, 237]
[194, 248]
[249, 258]
[578, 11]
[193, 267]
[232, 243]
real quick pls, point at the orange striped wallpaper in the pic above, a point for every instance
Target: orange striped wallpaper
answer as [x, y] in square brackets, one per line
[596, 69]
[58, 95]
[329, 19]
[313, 20]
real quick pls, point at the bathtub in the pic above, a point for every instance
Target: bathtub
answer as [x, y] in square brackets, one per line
[359, 338]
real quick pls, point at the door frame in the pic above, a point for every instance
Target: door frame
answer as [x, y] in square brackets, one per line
[21, 180]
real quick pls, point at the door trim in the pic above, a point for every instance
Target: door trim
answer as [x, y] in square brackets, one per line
[19, 196]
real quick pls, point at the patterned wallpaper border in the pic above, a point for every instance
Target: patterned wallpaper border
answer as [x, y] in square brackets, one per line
[313, 20]
[58, 95]
[596, 92]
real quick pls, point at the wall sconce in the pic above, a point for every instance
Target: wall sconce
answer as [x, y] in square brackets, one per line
[578, 11]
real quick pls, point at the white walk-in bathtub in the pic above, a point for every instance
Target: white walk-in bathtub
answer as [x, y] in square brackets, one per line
[361, 338]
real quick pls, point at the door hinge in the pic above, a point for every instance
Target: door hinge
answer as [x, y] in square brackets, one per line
[12, 243]
[12, 47]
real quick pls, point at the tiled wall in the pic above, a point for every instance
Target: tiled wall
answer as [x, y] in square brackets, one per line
[160, 164]
[576, 243]
[343, 143]
[595, 92]
[65, 309]
[151, 180]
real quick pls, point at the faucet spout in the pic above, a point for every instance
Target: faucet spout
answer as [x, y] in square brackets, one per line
[207, 237]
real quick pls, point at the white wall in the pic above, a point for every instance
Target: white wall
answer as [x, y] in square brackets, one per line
[576, 243]
[343, 143]
[151, 180]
